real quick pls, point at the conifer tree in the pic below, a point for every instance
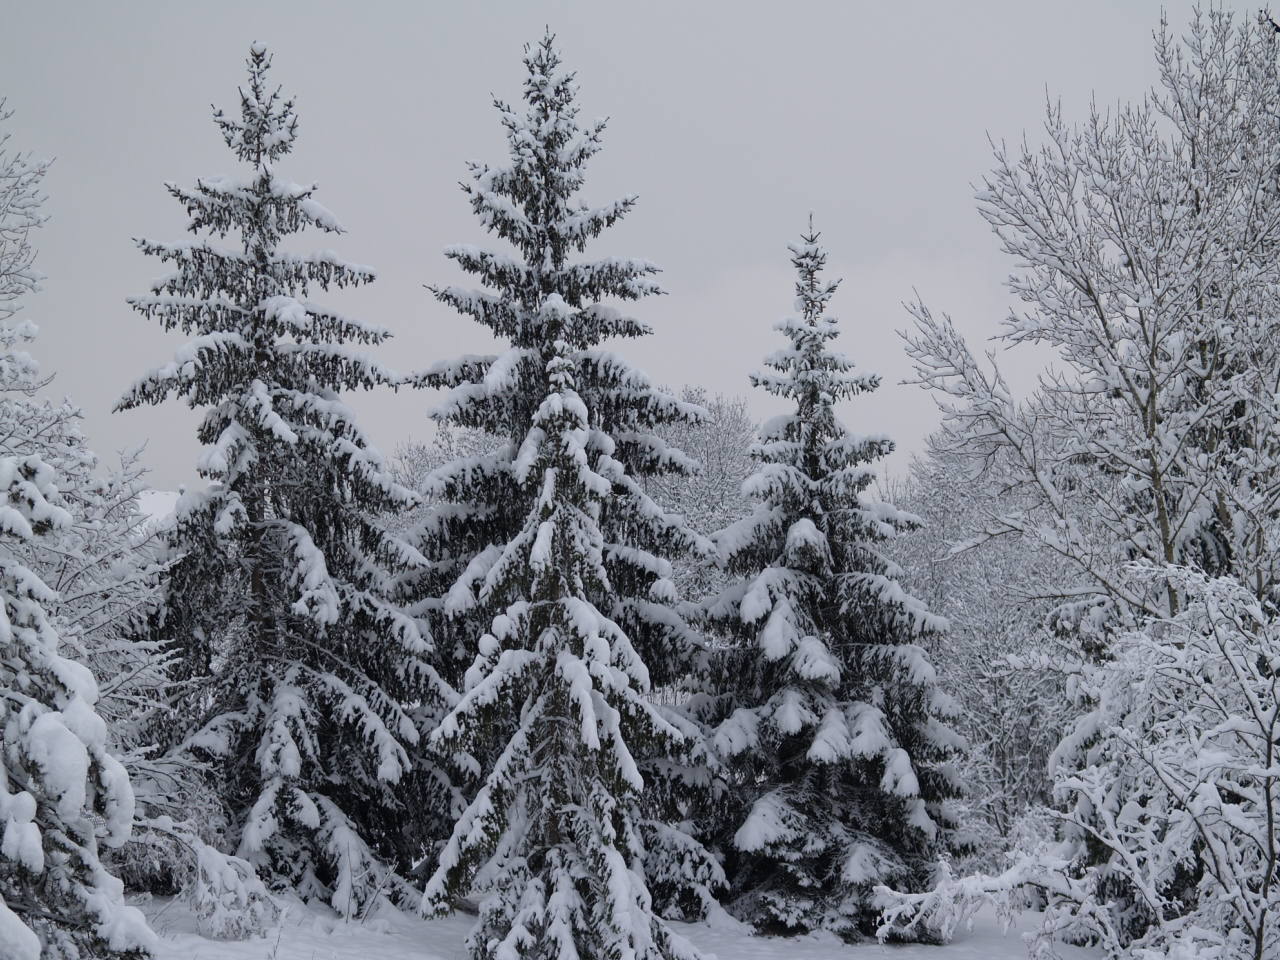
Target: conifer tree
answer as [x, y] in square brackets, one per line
[62, 791]
[555, 578]
[833, 732]
[298, 666]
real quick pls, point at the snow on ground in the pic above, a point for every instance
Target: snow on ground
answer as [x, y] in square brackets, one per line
[730, 941]
[308, 934]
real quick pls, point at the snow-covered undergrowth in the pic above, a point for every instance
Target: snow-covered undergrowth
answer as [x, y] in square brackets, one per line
[318, 934]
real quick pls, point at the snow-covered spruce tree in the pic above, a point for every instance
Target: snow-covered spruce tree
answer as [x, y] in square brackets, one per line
[834, 733]
[297, 666]
[558, 587]
[61, 789]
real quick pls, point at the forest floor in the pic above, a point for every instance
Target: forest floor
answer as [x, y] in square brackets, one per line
[307, 934]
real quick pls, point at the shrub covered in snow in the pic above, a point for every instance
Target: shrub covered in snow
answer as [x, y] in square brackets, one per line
[1168, 795]
[1173, 783]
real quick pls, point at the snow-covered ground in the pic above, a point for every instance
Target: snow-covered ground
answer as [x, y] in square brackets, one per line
[307, 934]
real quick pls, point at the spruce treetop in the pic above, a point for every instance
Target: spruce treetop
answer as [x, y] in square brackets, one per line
[532, 203]
[808, 372]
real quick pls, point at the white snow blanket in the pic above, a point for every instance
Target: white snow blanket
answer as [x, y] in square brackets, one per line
[317, 934]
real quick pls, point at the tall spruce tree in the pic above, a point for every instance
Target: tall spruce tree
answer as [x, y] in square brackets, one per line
[554, 572]
[278, 595]
[834, 736]
[62, 791]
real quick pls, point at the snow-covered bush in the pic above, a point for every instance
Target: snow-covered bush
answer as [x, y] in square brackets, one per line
[1168, 795]
[226, 896]
[1173, 782]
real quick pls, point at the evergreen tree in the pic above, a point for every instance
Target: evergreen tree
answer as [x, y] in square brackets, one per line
[61, 788]
[298, 667]
[833, 734]
[554, 570]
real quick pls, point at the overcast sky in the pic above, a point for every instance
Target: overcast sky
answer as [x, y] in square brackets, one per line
[730, 120]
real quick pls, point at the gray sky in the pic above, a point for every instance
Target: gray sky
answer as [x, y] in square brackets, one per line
[731, 120]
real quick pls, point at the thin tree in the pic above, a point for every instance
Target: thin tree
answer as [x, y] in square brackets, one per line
[62, 790]
[1148, 459]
